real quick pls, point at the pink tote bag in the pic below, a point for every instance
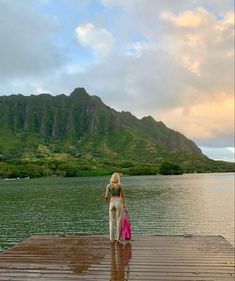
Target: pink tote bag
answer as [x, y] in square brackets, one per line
[125, 228]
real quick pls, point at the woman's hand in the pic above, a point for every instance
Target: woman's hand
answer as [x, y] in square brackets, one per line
[126, 210]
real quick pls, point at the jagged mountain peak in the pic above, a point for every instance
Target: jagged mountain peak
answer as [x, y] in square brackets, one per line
[148, 118]
[79, 115]
[79, 92]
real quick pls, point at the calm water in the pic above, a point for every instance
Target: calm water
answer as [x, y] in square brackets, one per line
[187, 204]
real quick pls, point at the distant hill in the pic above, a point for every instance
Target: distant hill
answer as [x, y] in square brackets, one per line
[80, 135]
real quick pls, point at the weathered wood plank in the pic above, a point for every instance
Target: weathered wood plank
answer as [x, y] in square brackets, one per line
[93, 258]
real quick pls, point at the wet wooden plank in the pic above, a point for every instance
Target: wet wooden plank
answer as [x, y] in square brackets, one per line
[93, 258]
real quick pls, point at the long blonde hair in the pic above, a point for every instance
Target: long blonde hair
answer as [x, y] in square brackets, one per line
[115, 178]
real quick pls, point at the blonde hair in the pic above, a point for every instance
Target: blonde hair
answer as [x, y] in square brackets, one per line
[115, 178]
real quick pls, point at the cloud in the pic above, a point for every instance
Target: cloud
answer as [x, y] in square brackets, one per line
[181, 59]
[99, 40]
[188, 18]
[27, 41]
[203, 46]
[209, 122]
[136, 49]
[152, 6]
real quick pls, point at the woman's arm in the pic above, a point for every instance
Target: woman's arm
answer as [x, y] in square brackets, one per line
[123, 198]
[106, 196]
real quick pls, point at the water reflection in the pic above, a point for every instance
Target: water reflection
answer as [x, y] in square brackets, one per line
[121, 254]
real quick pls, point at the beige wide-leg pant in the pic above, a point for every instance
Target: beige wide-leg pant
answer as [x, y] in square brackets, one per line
[115, 215]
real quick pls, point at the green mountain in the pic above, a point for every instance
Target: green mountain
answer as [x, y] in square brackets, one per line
[80, 135]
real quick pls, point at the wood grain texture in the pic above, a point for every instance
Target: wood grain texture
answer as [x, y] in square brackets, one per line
[93, 258]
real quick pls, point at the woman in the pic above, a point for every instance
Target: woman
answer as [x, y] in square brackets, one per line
[117, 203]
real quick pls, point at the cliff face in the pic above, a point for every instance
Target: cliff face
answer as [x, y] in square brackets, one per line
[81, 116]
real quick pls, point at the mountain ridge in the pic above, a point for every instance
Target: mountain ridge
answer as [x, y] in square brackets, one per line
[80, 128]
[80, 100]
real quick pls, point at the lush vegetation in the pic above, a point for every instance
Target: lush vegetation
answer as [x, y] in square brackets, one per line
[170, 169]
[68, 165]
[78, 135]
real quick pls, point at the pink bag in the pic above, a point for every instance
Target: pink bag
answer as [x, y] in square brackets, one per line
[125, 228]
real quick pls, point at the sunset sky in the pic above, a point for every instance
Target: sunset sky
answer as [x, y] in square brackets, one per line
[173, 60]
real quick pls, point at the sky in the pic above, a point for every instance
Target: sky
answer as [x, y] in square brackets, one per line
[173, 60]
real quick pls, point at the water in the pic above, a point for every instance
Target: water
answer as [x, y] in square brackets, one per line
[200, 204]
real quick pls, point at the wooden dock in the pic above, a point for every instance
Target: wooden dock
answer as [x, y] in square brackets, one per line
[93, 258]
